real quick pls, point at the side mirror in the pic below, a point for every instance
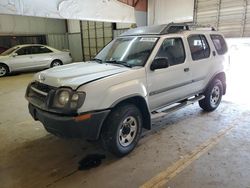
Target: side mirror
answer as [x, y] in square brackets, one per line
[14, 54]
[159, 63]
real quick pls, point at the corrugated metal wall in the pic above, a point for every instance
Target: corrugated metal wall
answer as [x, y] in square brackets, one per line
[53, 29]
[95, 36]
[24, 25]
[118, 32]
[231, 17]
[58, 41]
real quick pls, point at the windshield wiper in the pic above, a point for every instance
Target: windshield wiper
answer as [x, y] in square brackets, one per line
[97, 60]
[124, 63]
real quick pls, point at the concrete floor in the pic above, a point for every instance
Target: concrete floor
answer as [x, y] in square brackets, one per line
[189, 148]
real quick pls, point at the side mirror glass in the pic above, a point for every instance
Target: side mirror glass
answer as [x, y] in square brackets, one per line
[159, 63]
[14, 54]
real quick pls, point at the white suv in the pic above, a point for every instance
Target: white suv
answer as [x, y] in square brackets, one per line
[145, 73]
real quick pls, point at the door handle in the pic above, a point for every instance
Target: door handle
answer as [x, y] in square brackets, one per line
[186, 69]
[214, 53]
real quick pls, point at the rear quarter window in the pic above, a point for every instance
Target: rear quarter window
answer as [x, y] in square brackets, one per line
[219, 44]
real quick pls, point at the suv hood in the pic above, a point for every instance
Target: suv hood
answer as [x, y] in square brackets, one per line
[76, 74]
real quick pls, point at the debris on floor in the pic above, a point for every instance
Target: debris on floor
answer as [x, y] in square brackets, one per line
[91, 161]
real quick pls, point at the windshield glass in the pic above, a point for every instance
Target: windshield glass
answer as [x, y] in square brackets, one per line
[134, 51]
[9, 51]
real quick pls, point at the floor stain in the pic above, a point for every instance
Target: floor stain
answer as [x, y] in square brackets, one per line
[91, 161]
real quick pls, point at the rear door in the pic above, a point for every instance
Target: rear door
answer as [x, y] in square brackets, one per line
[41, 56]
[202, 55]
[170, 84]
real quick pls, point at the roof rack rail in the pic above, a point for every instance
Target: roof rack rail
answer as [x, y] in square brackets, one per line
[195, 26]
[164, 29]
[176, 27]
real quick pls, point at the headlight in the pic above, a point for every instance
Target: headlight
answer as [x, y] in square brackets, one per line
[63, 97]
[68, 100]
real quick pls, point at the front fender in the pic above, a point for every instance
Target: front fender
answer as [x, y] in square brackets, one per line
[105, 93]
[122, 91]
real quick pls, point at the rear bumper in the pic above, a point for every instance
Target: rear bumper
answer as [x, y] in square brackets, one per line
[84, 126]
[68, 60]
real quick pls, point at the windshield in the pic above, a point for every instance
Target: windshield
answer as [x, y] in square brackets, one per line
[134, 51]
[9, 51]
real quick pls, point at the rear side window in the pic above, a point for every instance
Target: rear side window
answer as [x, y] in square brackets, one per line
[219, 43]
[40, 50]
[199, 47]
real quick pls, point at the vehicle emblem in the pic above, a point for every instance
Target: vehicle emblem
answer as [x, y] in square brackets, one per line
[41, 77]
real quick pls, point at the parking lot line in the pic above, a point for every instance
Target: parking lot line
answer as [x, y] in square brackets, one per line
[165, 176]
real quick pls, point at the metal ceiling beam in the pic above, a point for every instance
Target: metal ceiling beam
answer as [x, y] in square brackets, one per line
[94, 10]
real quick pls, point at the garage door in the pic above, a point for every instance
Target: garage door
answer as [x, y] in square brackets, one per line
[231, 17]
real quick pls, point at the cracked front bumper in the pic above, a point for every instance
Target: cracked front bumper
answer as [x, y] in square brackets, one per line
[86, 126]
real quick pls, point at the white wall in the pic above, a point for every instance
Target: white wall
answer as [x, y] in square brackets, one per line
[163, 11]
[24, 25]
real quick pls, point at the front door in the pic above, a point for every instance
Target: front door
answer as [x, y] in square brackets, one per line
[22, 60]
[170, 84]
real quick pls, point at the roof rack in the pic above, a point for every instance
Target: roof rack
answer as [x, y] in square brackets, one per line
[174, 28]
[177, 27]
[199, 26]
[164, 29]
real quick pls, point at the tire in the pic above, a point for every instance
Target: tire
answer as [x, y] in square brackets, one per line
[122, 130]
[213, 95]
[4, 70]
[56, 63]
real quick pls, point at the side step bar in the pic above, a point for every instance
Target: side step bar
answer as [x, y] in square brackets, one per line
[161, 113]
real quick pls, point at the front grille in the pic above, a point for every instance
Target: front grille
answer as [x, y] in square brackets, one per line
[41, 87]
[38, 93]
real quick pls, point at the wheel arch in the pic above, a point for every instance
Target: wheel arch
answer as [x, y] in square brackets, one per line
[1, 63]
[141, 103]
[222, 77]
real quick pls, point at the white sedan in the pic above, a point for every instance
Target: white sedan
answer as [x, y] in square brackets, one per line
[31, 57]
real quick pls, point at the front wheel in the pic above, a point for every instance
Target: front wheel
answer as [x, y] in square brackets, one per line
[213, 95]
[122, 129]
[3, 70]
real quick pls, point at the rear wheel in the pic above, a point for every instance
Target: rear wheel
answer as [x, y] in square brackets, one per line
[213, 95]
[56, 63]
[122, 129]
[4, 70]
